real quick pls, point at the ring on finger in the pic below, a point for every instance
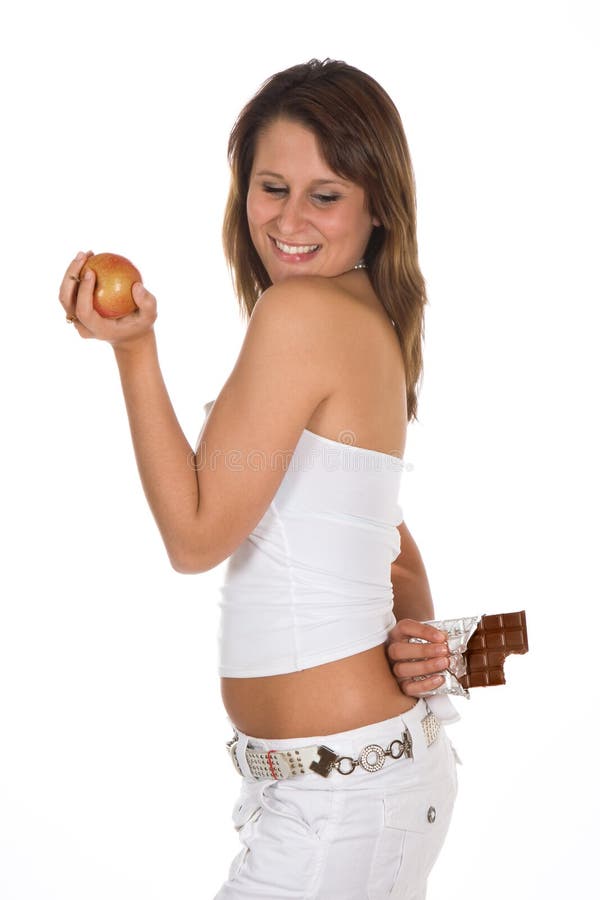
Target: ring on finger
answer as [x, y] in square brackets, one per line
[71, 319]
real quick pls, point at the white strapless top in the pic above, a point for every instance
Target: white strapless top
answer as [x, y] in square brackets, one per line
[312, 582]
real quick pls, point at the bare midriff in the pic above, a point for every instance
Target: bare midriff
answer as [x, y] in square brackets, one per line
[337, 696]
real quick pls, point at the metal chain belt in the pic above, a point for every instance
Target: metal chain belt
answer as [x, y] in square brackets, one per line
[322, 760]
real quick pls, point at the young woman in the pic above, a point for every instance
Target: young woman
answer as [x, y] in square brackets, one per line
[348, 777]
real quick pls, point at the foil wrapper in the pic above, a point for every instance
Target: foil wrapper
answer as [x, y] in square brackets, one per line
[459, 631]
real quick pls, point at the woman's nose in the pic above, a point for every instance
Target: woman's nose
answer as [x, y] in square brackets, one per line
[291, 216]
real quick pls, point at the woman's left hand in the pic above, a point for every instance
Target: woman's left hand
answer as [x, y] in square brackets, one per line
[76, 298]
[416, 666]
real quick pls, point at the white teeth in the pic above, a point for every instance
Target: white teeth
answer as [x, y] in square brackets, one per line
[287, 248]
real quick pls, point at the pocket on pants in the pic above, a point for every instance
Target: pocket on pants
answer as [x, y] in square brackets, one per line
[414, 826]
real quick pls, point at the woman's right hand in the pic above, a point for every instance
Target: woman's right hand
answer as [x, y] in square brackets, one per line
[76, 297]
[408, 660]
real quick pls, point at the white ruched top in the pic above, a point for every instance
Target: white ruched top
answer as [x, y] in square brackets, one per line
[312, 582]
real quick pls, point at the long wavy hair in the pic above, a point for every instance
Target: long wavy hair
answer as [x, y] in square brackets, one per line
[362, 139]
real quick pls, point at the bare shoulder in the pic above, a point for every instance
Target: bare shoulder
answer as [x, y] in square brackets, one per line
[292, 326]
[305, 297]
[322, 310]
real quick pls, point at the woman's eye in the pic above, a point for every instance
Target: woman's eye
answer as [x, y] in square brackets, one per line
[320, 198]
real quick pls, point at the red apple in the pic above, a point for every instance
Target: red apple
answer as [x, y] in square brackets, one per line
[114, 277]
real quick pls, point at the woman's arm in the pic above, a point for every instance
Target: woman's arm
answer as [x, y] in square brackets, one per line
[206, 502]
[165, 459]
[413, 604]
[412, 595]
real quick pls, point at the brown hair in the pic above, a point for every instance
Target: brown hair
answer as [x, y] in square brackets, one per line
[361, 138]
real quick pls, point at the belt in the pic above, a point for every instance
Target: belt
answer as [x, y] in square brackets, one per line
[317, 758]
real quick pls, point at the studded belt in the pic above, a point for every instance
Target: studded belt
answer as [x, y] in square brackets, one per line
[280, 764]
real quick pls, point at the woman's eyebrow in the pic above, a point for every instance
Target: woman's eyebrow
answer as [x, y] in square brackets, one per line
[340, 181]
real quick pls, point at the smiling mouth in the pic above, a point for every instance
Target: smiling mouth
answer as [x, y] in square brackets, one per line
[295, 249]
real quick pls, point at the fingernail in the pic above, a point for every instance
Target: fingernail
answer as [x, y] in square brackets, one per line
[438, 679]
[88, 276]
[79, 256]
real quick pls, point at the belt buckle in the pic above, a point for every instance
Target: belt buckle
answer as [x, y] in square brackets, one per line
[326, 761]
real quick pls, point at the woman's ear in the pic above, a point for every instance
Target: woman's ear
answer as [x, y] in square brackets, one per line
[375, 222]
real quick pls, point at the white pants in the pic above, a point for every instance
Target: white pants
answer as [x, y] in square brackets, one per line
[362, 836]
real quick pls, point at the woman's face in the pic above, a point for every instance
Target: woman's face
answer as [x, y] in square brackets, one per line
[304, 219]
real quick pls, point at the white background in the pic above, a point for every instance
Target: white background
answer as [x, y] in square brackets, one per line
[114, 781]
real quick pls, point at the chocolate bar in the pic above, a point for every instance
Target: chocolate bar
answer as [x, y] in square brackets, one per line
[478, 646]
[495, 638]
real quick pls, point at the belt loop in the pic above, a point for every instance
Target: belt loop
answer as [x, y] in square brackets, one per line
[240, 752]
